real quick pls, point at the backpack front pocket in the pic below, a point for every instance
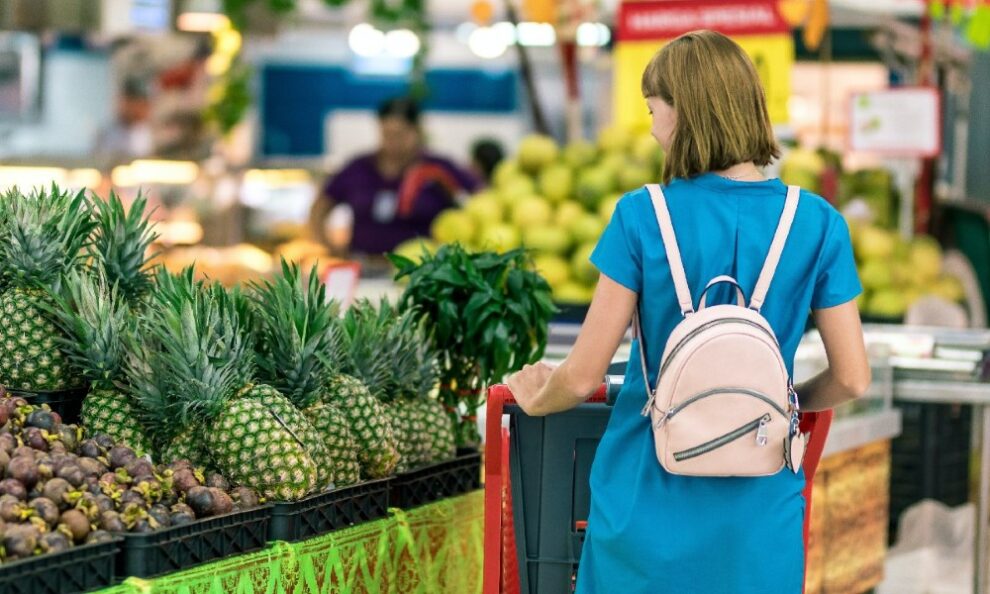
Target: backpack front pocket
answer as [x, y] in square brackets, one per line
[758, 425]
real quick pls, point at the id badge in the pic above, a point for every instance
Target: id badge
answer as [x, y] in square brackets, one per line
[385, 206]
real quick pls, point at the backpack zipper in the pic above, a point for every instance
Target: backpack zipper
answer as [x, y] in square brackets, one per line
[716, 391]
[759, 425]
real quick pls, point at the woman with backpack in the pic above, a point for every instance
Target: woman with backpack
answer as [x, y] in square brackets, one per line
[696, 485]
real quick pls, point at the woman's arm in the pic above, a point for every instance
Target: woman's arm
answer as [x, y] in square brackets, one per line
[318, 213]
[542, 390]
[848, 373]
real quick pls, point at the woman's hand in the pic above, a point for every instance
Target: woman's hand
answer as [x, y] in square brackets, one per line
[527, 384]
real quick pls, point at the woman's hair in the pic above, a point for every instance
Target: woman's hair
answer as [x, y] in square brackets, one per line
[721, 109]
[400, 107]
[487, 153]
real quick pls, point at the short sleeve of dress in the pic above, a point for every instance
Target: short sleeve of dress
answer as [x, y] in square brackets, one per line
[837, 281]
[618, 254]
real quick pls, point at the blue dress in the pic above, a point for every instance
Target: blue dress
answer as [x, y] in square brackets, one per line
[651, 532]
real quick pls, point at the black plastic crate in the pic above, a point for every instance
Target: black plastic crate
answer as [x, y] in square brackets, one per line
[930, 459]
[80, 569]
[325, 512]
[437, 481]
[67, 403]
[202, 541]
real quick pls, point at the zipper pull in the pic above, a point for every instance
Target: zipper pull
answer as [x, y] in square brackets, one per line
[762, 433]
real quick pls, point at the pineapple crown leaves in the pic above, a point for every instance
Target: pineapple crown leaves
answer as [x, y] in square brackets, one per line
[296, 334]
[389, 350]
[196, 353]
[94, 320]
[44, 234]
[120, 244]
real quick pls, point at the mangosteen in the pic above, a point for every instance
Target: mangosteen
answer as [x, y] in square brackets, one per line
[104, 503]
[209, 501]
[14, 488]
[185, 479]
[46, 509]
[90, 449]
[72, 473]
[42, 419]
[139, 468]
[99, 536]
[217, 480]
[92, 484]
[92, 467]
[23, 469]
[182, 518]
[12, 509]
[77, 523]
[4, 458]
[56, 489]
[104, 441]
[56, 417]
[161, 515]
[132, 496]
[121, 456]
[143, 526]
[111, 520]
[8, 443]
[20, 540]
[36, 439]
[245, 498]
[59, 447]
[54, 542]
[24, 450]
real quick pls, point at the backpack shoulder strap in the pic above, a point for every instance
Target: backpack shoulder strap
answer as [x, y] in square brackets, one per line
[673, 252]
[776, 248]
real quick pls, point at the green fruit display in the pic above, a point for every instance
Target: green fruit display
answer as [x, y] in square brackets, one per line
[926, 257]
[607, 208]
[499, 237]
[505, 171]
[875, 243]
[516, 188]
[888, 303]
[587, 228]
[635, 176]
[546, 239]
[556, 183]
[876, 274]
[593, 184]
[948, 288]
[536, 152]
[567, 213]
[531, 211]
[573, 293]
[646, 150]
[485, 207]
[554, 269]
[614, 139]
[580, 154]
[581, 267]
[452, 226]
[414, 248]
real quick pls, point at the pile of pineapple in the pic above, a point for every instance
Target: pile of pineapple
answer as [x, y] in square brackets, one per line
[267, 384]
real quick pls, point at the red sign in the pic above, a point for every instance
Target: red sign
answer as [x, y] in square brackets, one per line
[666, 19]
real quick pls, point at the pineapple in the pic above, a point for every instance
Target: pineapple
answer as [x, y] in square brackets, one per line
[296, 332]
[378, 354]
[193, 376]
[42, 236]
[378, 451]
[118, 254]
[94, 320]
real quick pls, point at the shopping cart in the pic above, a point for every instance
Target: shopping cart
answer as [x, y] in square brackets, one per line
[543, 496]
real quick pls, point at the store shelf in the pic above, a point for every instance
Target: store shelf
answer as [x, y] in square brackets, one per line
[857, 431]
[957, 392]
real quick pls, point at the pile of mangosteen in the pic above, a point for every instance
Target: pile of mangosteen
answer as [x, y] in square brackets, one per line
[61, 488]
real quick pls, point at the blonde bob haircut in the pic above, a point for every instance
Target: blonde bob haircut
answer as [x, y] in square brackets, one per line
[722, 117]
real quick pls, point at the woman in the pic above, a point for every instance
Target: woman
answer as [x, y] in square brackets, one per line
[395, 192]
[650, 531]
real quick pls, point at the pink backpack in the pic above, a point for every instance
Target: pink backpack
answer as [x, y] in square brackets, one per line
[723, 404]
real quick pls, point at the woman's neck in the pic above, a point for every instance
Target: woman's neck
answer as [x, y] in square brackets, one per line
[393, 166]
[742, 172]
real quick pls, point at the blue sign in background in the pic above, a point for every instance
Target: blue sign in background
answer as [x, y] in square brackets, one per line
[295, 99]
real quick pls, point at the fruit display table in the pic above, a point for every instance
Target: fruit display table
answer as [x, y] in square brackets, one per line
[431, 549]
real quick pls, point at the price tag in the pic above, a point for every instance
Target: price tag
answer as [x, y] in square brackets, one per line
[903, 122]
[341, 280]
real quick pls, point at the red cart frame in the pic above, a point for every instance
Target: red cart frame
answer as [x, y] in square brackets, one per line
[501, 573]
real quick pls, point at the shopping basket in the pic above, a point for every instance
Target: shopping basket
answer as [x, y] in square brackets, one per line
[544, 497]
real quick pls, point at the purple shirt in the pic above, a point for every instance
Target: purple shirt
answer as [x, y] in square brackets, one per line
[381, 222]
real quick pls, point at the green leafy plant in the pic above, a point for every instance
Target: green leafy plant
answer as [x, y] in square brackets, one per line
[489, 315]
